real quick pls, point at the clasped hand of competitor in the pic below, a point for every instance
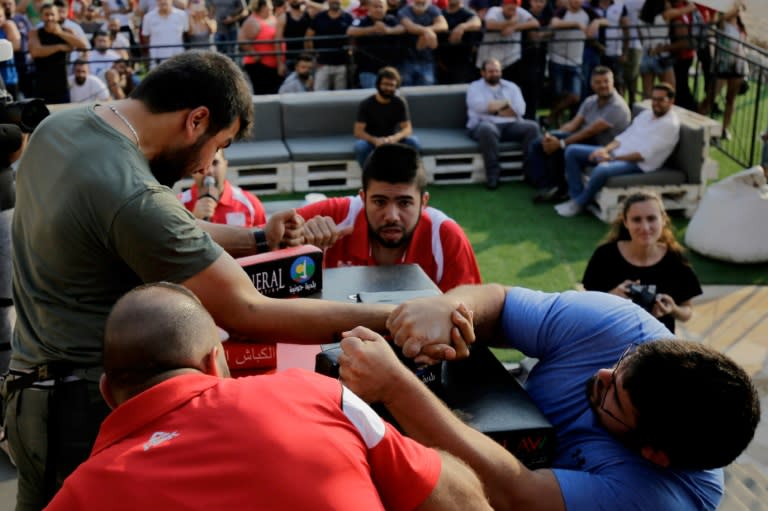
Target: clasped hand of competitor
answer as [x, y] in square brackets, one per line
[370, 367]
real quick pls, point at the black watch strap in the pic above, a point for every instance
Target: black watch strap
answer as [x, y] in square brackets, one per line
[261, 240]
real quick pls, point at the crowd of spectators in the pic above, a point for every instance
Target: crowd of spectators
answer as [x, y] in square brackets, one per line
[551, 42]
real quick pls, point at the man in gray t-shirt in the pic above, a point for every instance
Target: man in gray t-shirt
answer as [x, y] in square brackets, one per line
[600, 118]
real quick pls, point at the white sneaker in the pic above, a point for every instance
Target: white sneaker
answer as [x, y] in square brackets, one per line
[568, 208]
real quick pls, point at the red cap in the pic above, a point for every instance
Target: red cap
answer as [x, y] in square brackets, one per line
[509, 2]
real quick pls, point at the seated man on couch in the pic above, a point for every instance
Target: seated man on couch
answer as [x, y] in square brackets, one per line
[643, 147]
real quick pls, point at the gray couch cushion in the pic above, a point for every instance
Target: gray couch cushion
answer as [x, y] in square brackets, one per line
[243, 154]
[437, 107]
[688, 156]
[445, 141]
[320, 114]
[336, 147]
[661, 177]
[267, 118]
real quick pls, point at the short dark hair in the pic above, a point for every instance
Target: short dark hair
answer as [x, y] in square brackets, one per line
[47, 6]
[395, 163]
[199, 78]
[304, 57]
[693, 403]
[389, 73]
[80, 62]
[601, 70]
[666, 88]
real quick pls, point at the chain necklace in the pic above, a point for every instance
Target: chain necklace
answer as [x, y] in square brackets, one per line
[127, 123]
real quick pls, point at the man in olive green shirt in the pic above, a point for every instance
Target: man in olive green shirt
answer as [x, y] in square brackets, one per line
[95, 217]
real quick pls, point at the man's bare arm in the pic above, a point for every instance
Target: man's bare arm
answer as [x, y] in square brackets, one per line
[458, 488]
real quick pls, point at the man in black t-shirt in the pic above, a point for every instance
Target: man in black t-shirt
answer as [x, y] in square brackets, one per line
[376, 38]
[455, 54]
[383, 118]
[331, 28]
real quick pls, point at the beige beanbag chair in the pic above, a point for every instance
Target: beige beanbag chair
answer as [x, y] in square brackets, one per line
[731, 222]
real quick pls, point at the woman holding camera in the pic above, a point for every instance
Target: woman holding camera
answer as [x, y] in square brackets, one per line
[640, 252]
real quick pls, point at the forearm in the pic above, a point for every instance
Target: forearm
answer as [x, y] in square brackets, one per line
[486, 302]
[405, 131]
[74, 41]
[237, 241]
[426, 419]
[45, 50]
[634, 157]
[587, 132]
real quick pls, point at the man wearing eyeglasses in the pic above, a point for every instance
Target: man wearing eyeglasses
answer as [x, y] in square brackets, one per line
[643, 422]
[213, 198]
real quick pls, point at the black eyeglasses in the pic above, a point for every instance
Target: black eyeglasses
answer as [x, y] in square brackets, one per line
[628, 351]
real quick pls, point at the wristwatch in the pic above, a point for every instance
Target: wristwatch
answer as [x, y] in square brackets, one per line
[261, 240]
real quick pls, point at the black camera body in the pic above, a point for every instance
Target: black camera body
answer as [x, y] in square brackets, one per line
[643, 295]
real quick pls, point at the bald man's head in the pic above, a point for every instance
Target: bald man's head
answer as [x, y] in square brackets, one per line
[154, 332]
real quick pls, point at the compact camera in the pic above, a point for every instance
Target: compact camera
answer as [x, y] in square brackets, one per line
[643, 295]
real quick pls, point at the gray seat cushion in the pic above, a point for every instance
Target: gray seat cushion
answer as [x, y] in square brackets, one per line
[338, 147]
[320, 113]
[267, 118]
[445, 141]
[454, 141]
[437, 107]
[243, 154]
[663, 176]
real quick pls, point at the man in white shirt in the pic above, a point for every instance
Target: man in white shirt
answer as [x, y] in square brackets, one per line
[164, 28]
[495, 109]
[643, 147]
[101, 57]
[85, 87]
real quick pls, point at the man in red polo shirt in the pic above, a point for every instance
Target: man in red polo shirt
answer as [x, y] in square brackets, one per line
[221, 202]
[182, 435]
[389, 223]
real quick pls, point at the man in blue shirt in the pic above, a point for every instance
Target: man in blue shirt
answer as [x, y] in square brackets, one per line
[642, 421]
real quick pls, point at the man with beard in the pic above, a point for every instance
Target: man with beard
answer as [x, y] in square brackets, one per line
[84, 87]
[658, 419]
[215, 199]
[601, 117]
[383, 118]
[389, 223]
[643, 147]
[88, 229]
[327, 35]
[422, 21]
[495, 110]
[102, 56]
[300, 80]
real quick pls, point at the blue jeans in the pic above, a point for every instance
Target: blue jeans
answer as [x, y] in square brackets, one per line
[488, 136]
[576, 158]
[545, 170]
[226, 39]
[418, 72]
[363, 148]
